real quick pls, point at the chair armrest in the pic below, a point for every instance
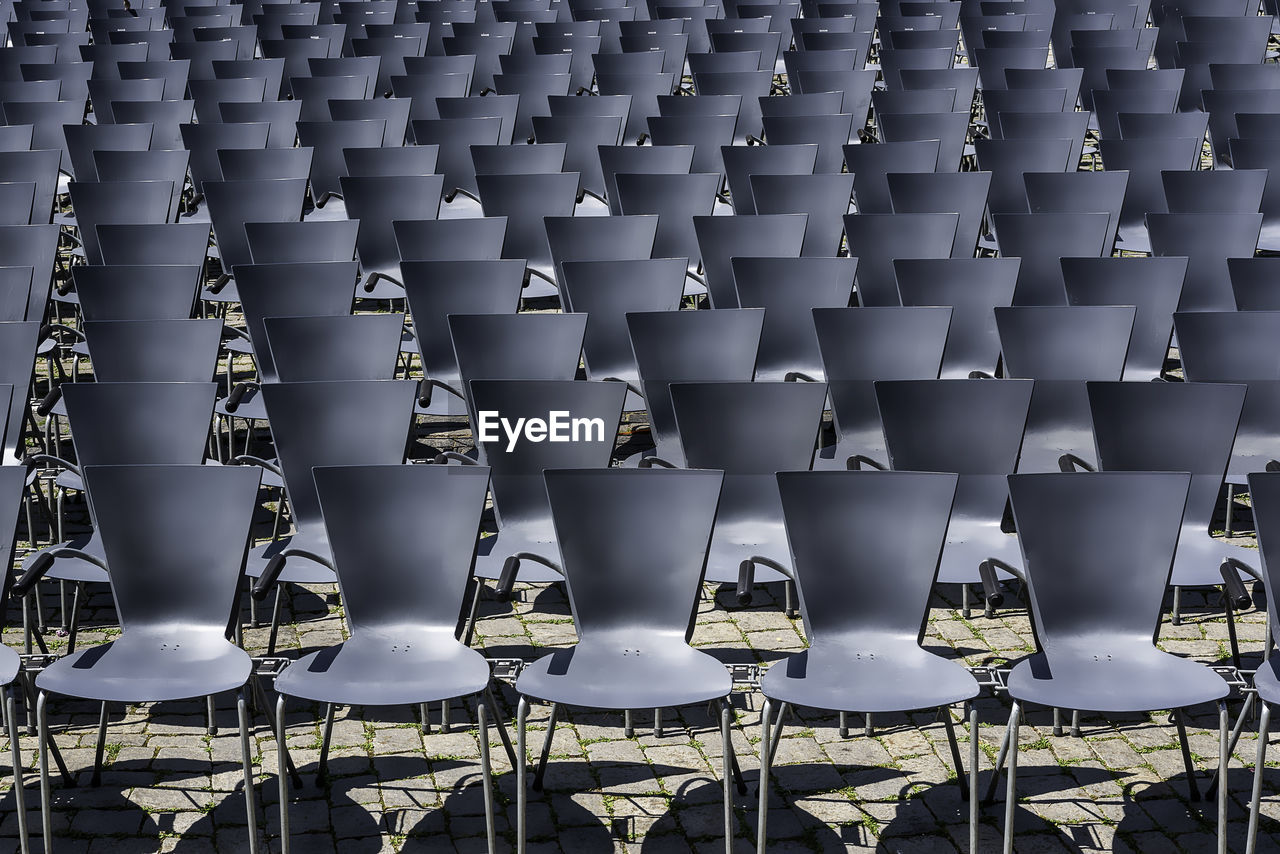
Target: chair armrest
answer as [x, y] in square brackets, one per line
[630, 386]
[798, 376]
[371, 281]
[274, 566]
[747, 575]
[443, 458]
[249, 459]
[855, 462]
[981, 375]
[41, 564]
[1068, 463]
[1234, 586]
[46, 404]
[507, 580]
[232, 402]
[35, 460]
[427, 384]
[650, 462]
[458, 191]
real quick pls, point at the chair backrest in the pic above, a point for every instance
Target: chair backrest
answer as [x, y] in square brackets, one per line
[525, 200]
[962, 193]
[175, 537]
[183, 244]
[1082, 533]
[13, 481]
[789, 289]
[689, 346]
[1207, 240]
[379, 201]
[470, 239]
[881, 241]
[721, 239]
[291, 290]
[437, 289]
[1041, 241]
[676, 198]
[135, 291]
[387, 578]
[584, 415]
[116, 423]
[117, 202]
[862, 564]
[338, 423]
[17, 358]
[971, 427]
[618, 576]
[1065, 342]
[153, 351]
[334, 347]
[532, 346]
[1264, 496]
[606, 291]
[232, 204]
[295, 242]
[1249, 356]
[1187, 427]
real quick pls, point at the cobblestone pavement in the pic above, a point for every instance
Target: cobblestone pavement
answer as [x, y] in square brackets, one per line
[170, 787]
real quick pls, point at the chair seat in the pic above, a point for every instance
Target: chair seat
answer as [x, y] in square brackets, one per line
[69, 480]
[229, 293]
[969, 543]
[539, 539]
[1199, 558]
[732, 544]
[75, 569]
[1123, 675]
[626, 669]
[1267, 681]
[388, 668]
[238, 345]
[383, 289]
[539, 287]
[880, 673]
[10, 664]
[297, 570]
[151, 666]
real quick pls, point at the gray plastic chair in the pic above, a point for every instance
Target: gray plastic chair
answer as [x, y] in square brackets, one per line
[613, 666]
[1041, 241]
[233, 204]
[824, 198]
[973, 287]
[1207, 240]
[1188, 427]
[1253, 283]
[750, 431]
[175, 537]
[790, 289]
[688, 346]
[525, 200]
[973, 428]
[1093, 654]
[401, 597]
[721, 239]
[860, 346]
[1079, 192]
[879, 241]
[1152, 285]
[377, 202]
[864, 581]
[961, 193]
[1060, 347]
[12, 487]
[871, 164]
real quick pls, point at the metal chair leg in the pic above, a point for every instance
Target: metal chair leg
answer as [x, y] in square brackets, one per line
[1193, 789]
[727, 771]
[497, 722]
[15, 757]
[482, 723]
[1224, 759]
[75, 617]
[955, 753]
[322, 767]
[1010, 801]
[212, 710]
[246, 758]
[282, 778]
[546, 748]
[424, 709]
[1260, 763]
[522, 794]
[102, 744]
[275, 620]
[762, 817]
[973, 778]
[46, 795]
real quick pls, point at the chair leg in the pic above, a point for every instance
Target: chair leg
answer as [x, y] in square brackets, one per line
[469, 627]
[424, 709]
[497, 722]
[1245, 715]
[973, 778]
[628, 728]
[212, 710]
[844, 725]
[955, 753]
[1260, 763]
[482, 723]
[522, 794]
[75, 617]
[275, 620]
[322, 769]
[1010, 799]
[46, 796]
[546, 748]
[15, 756]
[102, 744]
[1231, 494]
[1176, 617]
[777, 731]
[762, 817]
[727, 771]
[1193, 789]
[246, 758]
[1224, 759]
[282, 778]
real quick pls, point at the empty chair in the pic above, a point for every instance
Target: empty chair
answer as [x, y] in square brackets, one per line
[281, 118]
[82, 141]
[1110, 104]
[824, 198]
[1214, 191]
[412, 160]
[518, 159]
[949, 128]
[600, 671]
[1009, 161]
[173, 644]
[707, 135]
[1061, 347]
[652, 160]
[962, 193]
[471, 239]
[973, 287]
[1069, 125]
[232, 204]
[1255, 155]
[676, 199]
[599, 238]
[878, 240]
[117, 202]
[1144, 160]
[973, 428]
[1207, 240]
[721, 239]
[741, 162]
[249, 164]
[1041, 241]
[1152, 285]
[525, 200]
[377, 202]
[1073, 530]
[860, 346]
[454, 138]
[1079, 192]
[871, 164]
[838, 527]
[582, 137]
[393, 112]
[329, 139]
[182, 244]
[790, 290]
[145, 165]
[292, 241]
[392, 586]
[206, 139]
